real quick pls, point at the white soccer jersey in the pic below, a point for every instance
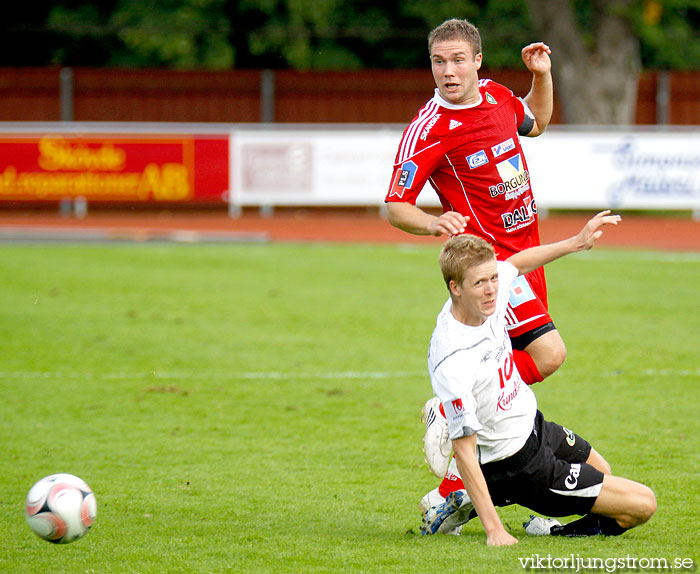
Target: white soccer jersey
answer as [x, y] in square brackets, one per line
[474, 376]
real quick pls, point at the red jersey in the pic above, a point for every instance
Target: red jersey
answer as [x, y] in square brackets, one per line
[472, 157]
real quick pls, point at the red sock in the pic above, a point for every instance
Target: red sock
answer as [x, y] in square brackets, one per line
[526, 367]
[450, 483]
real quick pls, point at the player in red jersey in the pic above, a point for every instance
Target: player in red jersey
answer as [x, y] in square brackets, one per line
[465, 142]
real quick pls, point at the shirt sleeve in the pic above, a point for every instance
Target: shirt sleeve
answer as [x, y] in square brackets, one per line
[453, 388]
[507, 273]
[410, 175]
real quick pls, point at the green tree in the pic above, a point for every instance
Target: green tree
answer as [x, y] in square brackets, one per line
[599, 46]
[334, 34]
[152, 33]
[669, 31]
[595, 57]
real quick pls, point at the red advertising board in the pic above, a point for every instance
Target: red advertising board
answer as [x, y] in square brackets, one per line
[130, 168]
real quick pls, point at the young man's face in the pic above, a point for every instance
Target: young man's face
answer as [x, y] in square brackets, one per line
[475, 299]
[455, 71]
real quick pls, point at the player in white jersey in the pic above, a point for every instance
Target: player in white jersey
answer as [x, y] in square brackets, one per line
[473, 375]
[505, 452]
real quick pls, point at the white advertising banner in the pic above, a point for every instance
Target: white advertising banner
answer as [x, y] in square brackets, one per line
[336, 166]
[615, 169]
[570, 168]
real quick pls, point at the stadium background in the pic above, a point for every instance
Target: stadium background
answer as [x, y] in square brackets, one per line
[33, 96]
[284, 96]
[142, 368]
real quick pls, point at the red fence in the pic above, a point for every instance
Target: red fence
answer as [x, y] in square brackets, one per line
[373, 96]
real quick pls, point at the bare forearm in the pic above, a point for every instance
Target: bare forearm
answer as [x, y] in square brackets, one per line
[475, 483]
[478, 492]
[413, 219]
[540, 99]
[530, 259]
[409, 218]
[534, 257]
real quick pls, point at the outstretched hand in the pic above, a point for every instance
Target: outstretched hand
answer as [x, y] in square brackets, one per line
[536, 58]
[590, 233]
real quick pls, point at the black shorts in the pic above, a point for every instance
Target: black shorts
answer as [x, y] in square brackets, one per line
[548, 475]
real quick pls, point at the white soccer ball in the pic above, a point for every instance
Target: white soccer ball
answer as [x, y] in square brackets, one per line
[60, 508]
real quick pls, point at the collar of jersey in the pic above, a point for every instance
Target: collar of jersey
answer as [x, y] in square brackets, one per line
[453, 320]
[445, 104]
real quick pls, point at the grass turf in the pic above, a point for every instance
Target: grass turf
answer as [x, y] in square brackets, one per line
[254, 408]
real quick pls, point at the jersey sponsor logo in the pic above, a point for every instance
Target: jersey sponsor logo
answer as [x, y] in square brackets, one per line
[570, 437]
[571, 480]
[520, 217]
[500, 351]
[458, 406]
[454, 124]
[495, 353]
[429, 126]
[404, 178]
[477, 159]
[520, 292]
[515, 178]
[505, 401]
[490, 99]
[503, 147]
[509, 382]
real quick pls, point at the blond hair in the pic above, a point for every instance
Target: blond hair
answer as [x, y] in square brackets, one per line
[460, 253]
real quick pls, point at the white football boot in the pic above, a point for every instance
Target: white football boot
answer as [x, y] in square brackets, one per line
[445, 515]
[437, 445]
[433, 498]
[538, 526]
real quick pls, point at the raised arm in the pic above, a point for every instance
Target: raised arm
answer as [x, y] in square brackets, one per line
[530, 259]
[412, 219]
[475, 483]
[541, 95]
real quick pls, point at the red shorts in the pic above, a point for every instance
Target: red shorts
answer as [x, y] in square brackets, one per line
[527, 317]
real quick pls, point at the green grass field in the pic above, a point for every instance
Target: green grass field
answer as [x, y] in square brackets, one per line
[255, 408]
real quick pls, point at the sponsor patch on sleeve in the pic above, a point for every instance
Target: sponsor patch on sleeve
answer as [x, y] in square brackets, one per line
[461, 420]
[520, 292]
[403, 179]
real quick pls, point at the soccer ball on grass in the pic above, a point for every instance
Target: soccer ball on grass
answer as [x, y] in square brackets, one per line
[60, 508]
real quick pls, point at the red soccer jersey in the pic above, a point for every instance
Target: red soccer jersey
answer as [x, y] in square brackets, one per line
[472, 157]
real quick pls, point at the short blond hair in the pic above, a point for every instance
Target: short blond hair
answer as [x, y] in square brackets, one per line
[461, 252]
[456, 29]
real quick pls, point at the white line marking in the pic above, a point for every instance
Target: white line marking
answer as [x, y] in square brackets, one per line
[279, 375]
[271, 375]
